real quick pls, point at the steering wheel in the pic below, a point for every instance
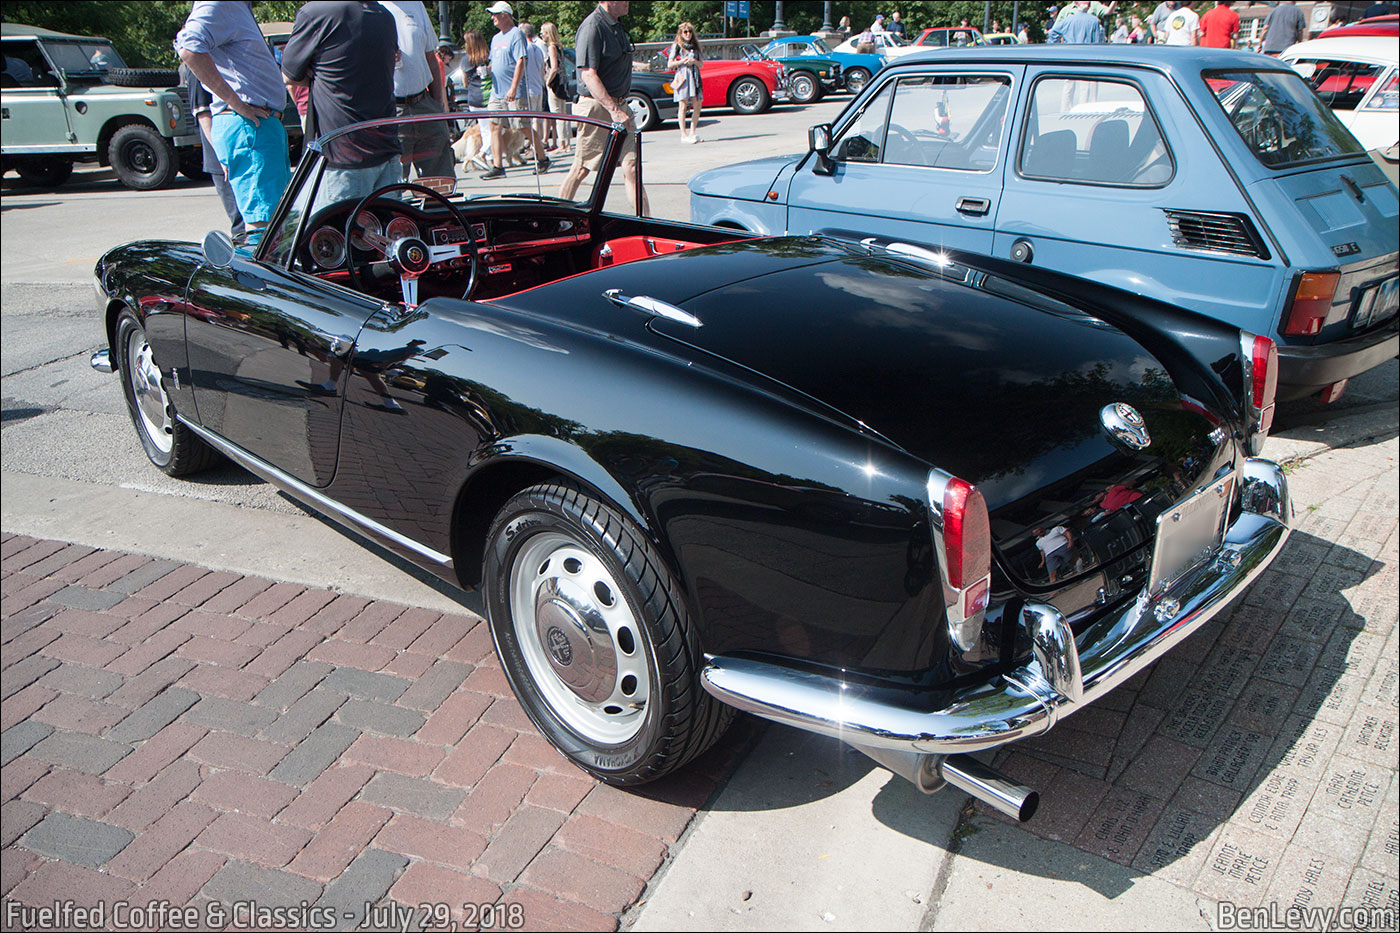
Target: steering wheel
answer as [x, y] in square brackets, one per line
[411, 256]
[910, 150]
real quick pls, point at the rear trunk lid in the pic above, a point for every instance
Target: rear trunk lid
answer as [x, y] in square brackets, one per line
[978, 376]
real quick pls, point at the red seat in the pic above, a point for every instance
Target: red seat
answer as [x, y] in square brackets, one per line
[631, 248]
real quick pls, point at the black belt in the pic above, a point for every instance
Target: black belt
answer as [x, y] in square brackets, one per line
[412, 98]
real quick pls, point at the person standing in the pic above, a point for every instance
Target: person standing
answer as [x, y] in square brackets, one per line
[418, 89]
[1183, 26]
[200, 101]
[345, 51]
[556, 85]
[684, 58]
[1284, 26]
[1220, 25]
[510, 55]
[535, 67]
[895, 25]
[1079, 27]
[605, 78]
[1121, 34]
[1158, 20]
[474, 69]
[223, 47]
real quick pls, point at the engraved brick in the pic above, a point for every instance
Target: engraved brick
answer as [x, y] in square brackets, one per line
[1264, 706]
[1352, 791]
[1240, 867]
[1178, 845]
[1197, 717]
[1275, 806]
[1160, 767]
[1233, 757]
[1120, 825]
[1308, 879]
[1372, 736]
[1330, 696]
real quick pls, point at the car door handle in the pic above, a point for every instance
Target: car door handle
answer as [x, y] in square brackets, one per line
[975, 206]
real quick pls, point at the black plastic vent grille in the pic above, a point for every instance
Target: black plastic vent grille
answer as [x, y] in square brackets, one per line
[1215, 232]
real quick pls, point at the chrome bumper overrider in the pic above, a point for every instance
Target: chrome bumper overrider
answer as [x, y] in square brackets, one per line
[1065, 674]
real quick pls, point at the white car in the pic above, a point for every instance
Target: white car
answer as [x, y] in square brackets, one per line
[888, 44]
[1356, 77]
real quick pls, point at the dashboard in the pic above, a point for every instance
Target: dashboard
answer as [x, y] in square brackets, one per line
[512, 248]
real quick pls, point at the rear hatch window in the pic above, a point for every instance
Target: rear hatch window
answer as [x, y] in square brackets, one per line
[1280, 118]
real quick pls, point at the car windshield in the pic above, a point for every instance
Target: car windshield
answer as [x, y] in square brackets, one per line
[1280, 118]
[450, 155]
[817, 47]
[84, 58]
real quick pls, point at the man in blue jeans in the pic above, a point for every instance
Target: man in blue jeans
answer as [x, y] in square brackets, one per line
[222, 45]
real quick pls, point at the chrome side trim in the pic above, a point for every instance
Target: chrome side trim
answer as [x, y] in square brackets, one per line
[1025, 702]
[312, 496]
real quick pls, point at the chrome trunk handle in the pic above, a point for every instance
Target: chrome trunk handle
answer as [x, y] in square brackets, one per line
[652, 307]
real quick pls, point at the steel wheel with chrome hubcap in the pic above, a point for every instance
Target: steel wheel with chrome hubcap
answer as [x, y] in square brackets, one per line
[169, 444]
[595, 638]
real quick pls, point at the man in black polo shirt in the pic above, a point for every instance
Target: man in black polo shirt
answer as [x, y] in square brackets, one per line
[604, 54]
[345, 49]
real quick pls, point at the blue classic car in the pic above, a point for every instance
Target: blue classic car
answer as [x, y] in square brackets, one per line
[856, 67]
[1210, 179]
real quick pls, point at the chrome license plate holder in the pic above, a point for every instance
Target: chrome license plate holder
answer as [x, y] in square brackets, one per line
[1190, 533]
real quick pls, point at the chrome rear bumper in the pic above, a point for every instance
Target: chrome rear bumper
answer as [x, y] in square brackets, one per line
[1066, 673]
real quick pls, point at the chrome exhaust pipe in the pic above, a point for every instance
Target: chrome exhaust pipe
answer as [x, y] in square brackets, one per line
[930, 772]
[968, 774]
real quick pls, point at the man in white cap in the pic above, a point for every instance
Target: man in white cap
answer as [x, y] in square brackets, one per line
[510, 53]
[418, 89]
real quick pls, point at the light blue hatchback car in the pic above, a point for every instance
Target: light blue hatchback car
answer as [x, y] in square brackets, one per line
[1210, 179]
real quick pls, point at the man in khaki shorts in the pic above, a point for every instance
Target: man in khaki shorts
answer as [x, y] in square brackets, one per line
[509, 52]
[605, 74]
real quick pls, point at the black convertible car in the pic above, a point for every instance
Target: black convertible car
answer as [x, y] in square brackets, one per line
[924, 502]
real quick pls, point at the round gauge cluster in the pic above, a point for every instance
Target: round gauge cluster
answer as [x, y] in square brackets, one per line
[401, 227]
[365, 222]
[328, 248]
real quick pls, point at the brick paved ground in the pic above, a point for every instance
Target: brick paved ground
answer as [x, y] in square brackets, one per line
[202, 737]
[1257, 763]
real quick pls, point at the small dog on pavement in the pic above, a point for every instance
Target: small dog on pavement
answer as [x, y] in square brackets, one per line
[468, 148]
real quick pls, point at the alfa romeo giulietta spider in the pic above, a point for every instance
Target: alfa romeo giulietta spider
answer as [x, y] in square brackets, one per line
[925, 502]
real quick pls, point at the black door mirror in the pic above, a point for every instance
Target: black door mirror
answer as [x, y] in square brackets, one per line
[819, 143]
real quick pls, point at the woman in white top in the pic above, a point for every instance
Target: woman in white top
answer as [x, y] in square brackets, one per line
[684, 58]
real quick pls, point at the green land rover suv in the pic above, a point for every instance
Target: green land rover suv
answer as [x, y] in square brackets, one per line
[70, 98]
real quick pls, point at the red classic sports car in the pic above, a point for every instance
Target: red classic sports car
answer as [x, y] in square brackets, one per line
[747, 86]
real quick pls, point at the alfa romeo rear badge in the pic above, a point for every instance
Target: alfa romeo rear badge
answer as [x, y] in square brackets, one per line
[1123, 421]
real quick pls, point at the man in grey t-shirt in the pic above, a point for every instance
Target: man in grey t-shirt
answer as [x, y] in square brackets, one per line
[1284, 26]
[604, 54]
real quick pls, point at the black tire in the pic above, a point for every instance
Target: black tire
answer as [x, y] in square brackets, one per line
[168, 443]
[142, 158]
[643, 112]
[804, 87]
[856, 79]
[749, 95]
[143, 77]
[570, 586]
[44, 171]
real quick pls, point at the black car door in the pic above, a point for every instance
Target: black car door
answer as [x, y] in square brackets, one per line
[268, 350]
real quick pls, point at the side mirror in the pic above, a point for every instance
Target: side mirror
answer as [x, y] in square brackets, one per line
[218, 249]
[819, 143]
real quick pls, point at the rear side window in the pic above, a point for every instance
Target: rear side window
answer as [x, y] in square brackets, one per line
[1279, 117]
[1340, 84]
[1093, 131]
